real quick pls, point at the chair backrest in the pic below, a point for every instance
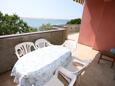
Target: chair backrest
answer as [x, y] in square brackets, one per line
[83, 67]
[24, 48]
[70, 44]
[40, 43]
[70, 77]
[78, 67]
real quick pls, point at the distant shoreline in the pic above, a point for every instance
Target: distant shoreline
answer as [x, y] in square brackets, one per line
[37, 22]
[42, 18]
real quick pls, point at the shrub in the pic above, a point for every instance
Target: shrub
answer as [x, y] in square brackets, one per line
[45, 27]
[12, 24]
[74, 21]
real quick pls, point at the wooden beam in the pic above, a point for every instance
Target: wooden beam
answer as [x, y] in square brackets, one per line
[80, 1]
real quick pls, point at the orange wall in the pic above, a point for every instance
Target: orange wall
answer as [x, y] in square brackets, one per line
[98, 24]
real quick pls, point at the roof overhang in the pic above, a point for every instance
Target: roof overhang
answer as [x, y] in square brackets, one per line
[83, 1]
[80, 1]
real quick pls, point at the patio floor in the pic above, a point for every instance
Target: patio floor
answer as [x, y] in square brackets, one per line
[99, 74]
[96, 75]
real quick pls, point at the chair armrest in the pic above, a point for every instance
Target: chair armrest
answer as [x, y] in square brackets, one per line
[84, 66]
[67, 75]
[80, 62]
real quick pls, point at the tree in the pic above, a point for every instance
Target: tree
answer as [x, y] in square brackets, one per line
[74, 21]
[45, 27]
[12, 24]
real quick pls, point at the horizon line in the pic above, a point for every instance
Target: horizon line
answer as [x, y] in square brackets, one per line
[46, 18]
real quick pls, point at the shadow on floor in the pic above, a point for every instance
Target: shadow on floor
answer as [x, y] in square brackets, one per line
[99, 74]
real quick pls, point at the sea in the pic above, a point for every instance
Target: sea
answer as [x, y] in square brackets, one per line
[37, 22]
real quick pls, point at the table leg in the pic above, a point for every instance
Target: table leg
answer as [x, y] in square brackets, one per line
[100, 57]
[112, 64]
[114, 77]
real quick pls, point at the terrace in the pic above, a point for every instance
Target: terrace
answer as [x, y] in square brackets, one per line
[96, 75]
[95, 37]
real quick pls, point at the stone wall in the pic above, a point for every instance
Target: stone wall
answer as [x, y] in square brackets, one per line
[71, 28]
[8, 42]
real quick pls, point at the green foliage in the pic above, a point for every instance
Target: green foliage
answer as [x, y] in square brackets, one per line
[45, 27]
[74, 21]
[12, 24]
[31, 29]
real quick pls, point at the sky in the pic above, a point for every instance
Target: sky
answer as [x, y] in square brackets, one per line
[53, 9]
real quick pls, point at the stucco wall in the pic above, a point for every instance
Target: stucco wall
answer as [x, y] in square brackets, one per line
[7, 44]
[98, 24]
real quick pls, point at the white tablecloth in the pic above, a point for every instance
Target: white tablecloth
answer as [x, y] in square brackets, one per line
[37, 67]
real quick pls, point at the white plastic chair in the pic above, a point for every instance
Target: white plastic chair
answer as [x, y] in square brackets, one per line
[77, 67]
[54, 81]
[70, 44]
[40, 43]
[24, 48]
